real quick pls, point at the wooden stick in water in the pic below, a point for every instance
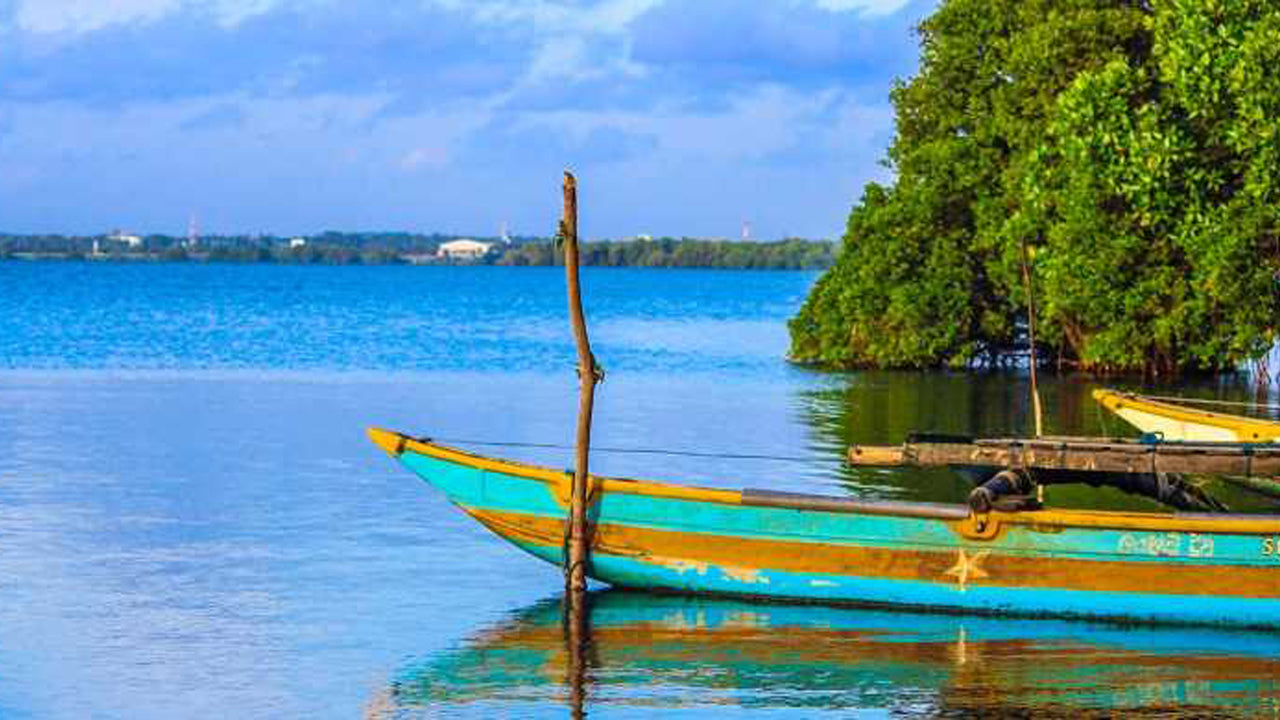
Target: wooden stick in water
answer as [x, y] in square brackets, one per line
[576, 623]
[575, 577]
[1031, 337]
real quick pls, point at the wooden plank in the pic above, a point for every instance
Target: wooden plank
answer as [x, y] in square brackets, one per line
[828, 503]
[1089, 454]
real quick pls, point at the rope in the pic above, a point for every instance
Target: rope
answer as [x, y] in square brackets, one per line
[566, 567]
[631, 451]
[1259, 406]
[1102, 419]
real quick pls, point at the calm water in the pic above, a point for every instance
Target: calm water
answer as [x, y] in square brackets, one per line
[192, 523]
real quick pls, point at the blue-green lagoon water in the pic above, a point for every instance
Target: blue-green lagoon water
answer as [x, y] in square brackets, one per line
[192, 523]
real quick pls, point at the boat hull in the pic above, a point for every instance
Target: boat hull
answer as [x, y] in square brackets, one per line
[1183, 424]
[1136, 567]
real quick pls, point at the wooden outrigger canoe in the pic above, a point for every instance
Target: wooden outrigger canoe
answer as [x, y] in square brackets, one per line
[1186, 424]
[1196, 568]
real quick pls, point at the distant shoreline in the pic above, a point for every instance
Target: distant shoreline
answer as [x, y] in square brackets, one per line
[156, 259]
[338, 249]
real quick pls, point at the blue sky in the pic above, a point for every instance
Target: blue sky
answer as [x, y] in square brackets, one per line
[295, 116]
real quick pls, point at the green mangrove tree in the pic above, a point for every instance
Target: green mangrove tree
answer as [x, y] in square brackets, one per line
[1131, 148]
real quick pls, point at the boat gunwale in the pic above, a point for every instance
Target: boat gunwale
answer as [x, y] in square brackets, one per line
[395, 444]
[1116, 400]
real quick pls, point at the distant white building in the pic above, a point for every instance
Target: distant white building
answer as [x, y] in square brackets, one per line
[463, 250]
[298, 242]
[120, 236]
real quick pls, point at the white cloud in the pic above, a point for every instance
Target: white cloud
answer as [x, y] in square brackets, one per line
[74, 17]
[870, 7]
[569, 35]
[232, 12]
[77, 16]
[550, 17]
[760, 125]
[770, 151]
[424, 157]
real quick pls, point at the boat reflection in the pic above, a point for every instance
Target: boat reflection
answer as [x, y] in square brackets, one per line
[649, 653]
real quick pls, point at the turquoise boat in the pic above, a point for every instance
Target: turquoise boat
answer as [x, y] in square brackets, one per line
[1214, 569]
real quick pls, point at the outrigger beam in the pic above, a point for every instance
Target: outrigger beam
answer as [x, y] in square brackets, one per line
[1074, 453]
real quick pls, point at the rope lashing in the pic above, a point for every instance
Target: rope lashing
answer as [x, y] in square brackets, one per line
[1204, 401]
[631, 451]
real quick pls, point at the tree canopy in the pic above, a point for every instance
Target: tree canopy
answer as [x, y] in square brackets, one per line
[1132, 148]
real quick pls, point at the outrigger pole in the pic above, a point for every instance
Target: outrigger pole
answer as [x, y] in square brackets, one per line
[1076, 455]
[1151, 469]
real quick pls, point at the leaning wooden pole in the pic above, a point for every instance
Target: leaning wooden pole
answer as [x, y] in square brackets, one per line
[1031, 339]
[575, 571]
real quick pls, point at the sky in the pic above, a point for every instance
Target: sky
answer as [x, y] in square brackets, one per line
[679, 117]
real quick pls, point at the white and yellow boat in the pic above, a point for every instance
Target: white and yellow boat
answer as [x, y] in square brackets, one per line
[1177, 422]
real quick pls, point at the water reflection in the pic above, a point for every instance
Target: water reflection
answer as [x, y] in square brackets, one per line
[883, 408]
[657, 653]
[890, 404]
[575, 622]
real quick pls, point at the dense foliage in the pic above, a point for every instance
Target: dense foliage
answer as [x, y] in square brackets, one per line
[1132, 148]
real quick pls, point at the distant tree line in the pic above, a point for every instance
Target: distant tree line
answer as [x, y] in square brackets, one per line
[1126, 154]
[330, 246]
[334, 248]
[790, 254]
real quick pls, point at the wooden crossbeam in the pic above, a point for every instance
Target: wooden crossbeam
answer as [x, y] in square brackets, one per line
[1073, 453]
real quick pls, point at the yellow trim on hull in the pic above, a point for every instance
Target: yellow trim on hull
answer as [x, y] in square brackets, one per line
[395, 444]
[1179, 423]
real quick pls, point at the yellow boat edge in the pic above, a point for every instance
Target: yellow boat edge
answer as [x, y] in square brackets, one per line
[392, 443]
[1245, 429]
[395, 444]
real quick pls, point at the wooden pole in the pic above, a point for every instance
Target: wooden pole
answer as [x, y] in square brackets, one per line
[575, 575]
[1031, 339]
[577, 639]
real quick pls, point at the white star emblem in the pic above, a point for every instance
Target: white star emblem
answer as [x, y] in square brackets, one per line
[968, 567]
